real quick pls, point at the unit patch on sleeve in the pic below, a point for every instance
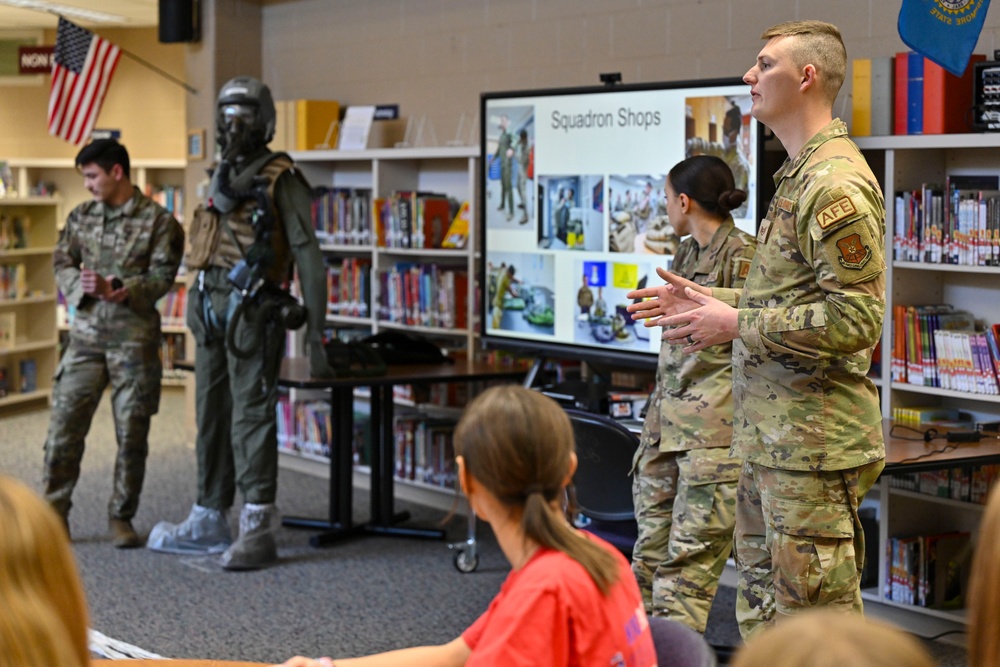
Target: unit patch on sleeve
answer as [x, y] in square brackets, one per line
[853, 253]
[833, 213]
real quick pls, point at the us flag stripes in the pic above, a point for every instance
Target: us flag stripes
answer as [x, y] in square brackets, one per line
[82, 68]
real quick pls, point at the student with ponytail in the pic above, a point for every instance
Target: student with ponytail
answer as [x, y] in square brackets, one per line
[570, 598]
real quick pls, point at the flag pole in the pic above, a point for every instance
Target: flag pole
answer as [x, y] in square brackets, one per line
[169, 77]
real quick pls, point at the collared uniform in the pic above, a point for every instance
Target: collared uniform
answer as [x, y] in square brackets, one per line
[807, 419]
[684, 487]
[118, 343]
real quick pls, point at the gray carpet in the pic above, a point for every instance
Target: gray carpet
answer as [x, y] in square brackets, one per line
[357, 597]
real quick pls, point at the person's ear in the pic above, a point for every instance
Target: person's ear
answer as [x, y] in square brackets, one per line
[117, 172]
[685, 202]
[463, 482]
[572, 469]
[808, 77]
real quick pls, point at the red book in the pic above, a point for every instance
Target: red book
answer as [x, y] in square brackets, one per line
[948, 98]
[902, 83]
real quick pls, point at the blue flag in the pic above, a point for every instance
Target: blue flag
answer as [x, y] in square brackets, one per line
[943, 31]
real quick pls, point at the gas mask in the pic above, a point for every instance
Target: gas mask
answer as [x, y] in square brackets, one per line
[245, 118]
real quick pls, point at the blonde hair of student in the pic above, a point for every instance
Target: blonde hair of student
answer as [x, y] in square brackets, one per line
[820, 44]
[518, 444]
[984, 589]
[827, 638]
[43, 612]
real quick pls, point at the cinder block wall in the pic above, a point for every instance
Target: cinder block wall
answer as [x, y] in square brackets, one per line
[434, 57]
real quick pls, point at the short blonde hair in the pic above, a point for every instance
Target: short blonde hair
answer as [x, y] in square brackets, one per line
[984, 589]
[820, 45]
[44, 614]
[827, 638]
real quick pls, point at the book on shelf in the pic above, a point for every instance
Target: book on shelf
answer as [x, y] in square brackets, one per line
[429, 295]
[13, 281]
[8, 330]
[28, 369]
[172, 307]
[305, 125]
[929, 570]
[872, 96]
[342, 216]
[412, 219]
[349, 287]
[947, 99]
[957, 223]
[457, 235]
[929, 99]
[4, 382]
[962, 483]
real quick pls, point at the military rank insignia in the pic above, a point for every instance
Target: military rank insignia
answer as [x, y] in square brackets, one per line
[853, 253]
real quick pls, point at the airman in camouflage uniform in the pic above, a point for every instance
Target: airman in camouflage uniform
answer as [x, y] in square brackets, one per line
[115, 257]
[807, 419]
[684, 486]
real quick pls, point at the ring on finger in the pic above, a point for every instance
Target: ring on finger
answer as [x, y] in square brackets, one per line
[690, 340]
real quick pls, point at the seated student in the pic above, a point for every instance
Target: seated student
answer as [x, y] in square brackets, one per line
[43, 612]
[571, 598]
[984, 589]
[828, 638]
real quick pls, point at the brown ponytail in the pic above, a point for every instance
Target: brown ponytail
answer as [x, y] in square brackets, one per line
[517, 443]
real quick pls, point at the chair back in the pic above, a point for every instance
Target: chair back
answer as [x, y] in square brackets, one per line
[604, 449]
[677, 645]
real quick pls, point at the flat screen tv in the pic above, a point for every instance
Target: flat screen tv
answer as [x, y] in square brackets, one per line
[572, 210]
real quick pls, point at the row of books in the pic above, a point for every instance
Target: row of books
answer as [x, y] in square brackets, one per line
[955, 224]
[342, 216]
[27, 378]
[171, 351]
[170, 197]
[909, 94]
[928, 570]
[348, 287]
[939, 346]
[409, 219]
[424, 295]
[305, 427]
[13, 281]
[968, 484]
[173, 307]
[425, 450]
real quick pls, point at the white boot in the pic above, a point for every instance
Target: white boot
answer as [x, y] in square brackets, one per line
[205, 531]
[255, 547]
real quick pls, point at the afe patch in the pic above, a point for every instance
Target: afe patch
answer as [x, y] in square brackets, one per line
[853, 253]
[833, 213]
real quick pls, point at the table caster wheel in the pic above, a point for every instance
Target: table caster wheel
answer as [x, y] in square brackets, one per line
[464, 562]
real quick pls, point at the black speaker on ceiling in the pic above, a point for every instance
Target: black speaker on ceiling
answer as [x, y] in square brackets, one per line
[178, 22]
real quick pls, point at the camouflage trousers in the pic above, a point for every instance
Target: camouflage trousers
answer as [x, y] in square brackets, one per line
[134, 371]
[684, 505]
[799, 542]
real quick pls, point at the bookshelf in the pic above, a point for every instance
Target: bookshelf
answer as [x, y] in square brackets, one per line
[905, 163]
[376, 174]
[29, 342]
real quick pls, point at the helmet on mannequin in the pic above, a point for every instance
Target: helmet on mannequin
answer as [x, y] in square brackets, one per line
[245, 107]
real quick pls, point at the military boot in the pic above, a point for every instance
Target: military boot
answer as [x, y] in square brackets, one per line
[123, 534]
[255, 547]
[205, 531]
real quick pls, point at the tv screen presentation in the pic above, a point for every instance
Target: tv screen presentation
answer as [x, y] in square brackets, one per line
[572, 209]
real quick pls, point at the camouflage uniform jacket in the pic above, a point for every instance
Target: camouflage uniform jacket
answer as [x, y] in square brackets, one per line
[142, 244]
[692, 405]
[810, 314]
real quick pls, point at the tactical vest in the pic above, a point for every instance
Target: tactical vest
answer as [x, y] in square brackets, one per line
[239, 220]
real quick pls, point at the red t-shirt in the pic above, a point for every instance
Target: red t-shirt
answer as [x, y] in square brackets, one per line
[550, 613]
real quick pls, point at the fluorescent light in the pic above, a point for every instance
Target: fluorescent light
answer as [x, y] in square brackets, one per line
[66, 10]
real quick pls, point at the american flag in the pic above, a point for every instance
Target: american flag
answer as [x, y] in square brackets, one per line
[82, 68]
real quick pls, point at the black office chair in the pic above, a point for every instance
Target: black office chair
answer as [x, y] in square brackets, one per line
[677, 645]
[602, 485]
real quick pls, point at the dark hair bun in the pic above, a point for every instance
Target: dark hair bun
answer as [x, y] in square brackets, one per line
[731, 199]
